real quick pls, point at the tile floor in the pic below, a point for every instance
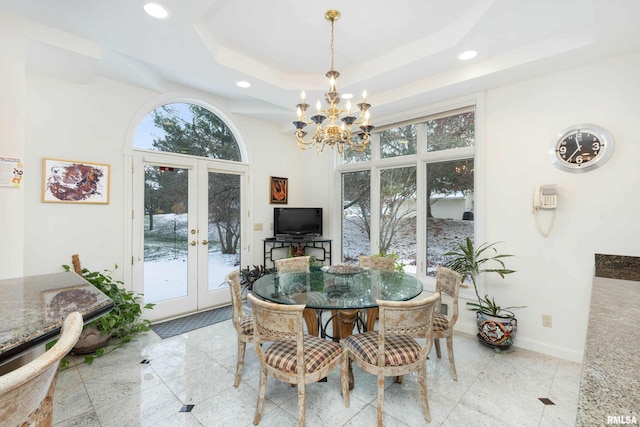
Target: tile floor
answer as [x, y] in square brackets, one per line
[197, 368]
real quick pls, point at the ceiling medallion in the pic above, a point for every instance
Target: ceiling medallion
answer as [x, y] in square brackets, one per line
[334, 133]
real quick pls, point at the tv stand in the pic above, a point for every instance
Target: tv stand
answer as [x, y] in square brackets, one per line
[285, 246]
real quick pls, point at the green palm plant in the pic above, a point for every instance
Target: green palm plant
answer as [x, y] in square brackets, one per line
[470, 262]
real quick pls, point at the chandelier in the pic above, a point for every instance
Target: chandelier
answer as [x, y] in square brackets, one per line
[334, 133]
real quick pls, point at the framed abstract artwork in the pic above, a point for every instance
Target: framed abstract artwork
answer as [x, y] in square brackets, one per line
[279, 190]
[71, 181]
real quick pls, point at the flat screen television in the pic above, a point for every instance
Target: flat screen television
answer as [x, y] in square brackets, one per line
[297, 222]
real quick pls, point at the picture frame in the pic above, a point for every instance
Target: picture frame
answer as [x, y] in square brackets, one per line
[279, 190]
[74, 181]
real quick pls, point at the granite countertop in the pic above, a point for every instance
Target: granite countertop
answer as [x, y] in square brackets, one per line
[609, 392]
[33, 308]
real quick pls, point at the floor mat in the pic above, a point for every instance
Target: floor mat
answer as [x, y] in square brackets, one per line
[194, 321]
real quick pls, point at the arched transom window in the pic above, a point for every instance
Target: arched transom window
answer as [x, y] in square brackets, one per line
[184, 128]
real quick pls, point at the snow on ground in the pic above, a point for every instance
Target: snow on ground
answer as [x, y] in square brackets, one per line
[443, 236]
[166, 273]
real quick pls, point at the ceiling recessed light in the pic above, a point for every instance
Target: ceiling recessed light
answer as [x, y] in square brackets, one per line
[243, 84]
[155, 10]
[467, 55]
[347, 96]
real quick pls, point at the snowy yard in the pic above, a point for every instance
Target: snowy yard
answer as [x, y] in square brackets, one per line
[166, 252]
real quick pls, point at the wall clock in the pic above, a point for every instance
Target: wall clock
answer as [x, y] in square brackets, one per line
[581, 148]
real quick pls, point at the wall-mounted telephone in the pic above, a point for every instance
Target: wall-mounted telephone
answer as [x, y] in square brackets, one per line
[545, 197]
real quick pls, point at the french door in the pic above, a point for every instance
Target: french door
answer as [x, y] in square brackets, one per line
[187, 231]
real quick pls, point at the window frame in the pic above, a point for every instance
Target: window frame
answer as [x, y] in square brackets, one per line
[420, 160]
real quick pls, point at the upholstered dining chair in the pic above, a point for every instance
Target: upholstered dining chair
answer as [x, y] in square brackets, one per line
[299, 264]
[394, 350]
[447, 283]
[26, 393]
[289, 355]
[243, 323]
[293, 265]
[375, 263]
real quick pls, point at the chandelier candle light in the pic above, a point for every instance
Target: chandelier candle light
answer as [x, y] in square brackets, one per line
[334, 134]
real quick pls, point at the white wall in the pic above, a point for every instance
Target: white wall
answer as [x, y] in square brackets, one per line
[597, 211]
[275, 154]
[90, 122]
[12, 136]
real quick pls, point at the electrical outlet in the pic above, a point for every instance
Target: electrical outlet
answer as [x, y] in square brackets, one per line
[546, 320]
[257, 226]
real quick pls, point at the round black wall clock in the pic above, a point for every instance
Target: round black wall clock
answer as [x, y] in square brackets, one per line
[581, 148]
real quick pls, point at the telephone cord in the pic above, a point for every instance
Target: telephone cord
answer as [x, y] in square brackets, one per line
[546, 232]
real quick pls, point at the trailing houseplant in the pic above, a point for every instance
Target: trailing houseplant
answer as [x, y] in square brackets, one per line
[497, 325]
[123, 321]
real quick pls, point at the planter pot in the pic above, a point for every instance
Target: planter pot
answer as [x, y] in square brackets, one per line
[496, 331]
[90, 340]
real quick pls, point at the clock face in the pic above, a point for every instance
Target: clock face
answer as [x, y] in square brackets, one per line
[581, 148]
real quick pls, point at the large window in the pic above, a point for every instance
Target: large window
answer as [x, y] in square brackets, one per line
[419, 178]
[356, 214]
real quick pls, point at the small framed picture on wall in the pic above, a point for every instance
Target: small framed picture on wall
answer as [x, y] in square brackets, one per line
[279, 190]
[71, 181]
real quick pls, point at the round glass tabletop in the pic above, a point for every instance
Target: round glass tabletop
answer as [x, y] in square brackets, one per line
[338, 287]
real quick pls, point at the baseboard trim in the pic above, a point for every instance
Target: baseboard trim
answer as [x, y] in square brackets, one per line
[527, 344]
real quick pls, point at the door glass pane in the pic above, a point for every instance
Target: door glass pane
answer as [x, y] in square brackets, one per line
[449, 209]
[224, 227]
[356, 215]
[398, 141]
[398, 215]
[165, 233]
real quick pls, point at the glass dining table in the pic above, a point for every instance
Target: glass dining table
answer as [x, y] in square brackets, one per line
[344, 290]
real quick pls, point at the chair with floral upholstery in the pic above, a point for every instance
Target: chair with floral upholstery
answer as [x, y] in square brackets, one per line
[447, 283]
[243, 323]
[26, 393]
[288, 354]
[394, 350]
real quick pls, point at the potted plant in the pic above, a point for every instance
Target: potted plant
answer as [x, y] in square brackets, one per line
[123, 321]
[248, 276]
[497, 325]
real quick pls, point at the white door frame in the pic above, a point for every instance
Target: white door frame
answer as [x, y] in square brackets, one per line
[198, 296]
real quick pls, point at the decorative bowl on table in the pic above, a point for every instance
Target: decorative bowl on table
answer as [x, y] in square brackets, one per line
[344, 270]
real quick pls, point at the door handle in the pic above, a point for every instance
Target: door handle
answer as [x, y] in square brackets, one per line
[193, 243]
[204, 242]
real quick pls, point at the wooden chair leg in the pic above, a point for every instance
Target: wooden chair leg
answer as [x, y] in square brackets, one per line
[436, 343]
[301, 404]
[422, 380]
[241, 347]
[380, 399]
[261, 393]
[452, 362]
[344, 377]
